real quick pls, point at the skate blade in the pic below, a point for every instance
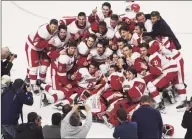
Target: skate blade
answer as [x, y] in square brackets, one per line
[106, 122]
[163, 111]
[181, 109]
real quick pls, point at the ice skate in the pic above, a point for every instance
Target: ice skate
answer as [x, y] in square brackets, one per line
[44, 99]
[182, 105]
[39, 82]
[106, 121]
[59, 106]
[161, 107]
[183, 101]
[170, 96]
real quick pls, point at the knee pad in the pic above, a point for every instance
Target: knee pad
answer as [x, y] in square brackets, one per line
[43, 69]
[33, 70]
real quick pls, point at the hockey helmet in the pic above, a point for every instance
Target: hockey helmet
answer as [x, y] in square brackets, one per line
[135, 8]
[168, 130]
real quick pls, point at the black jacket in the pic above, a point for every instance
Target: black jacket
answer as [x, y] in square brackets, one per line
[161, 28]
[6, 67]
[12, 101]
[29, 131]
[187, 123]
[149, 122]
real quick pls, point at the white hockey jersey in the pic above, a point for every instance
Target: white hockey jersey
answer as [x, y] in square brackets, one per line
[101, 58]
[73, 29]
[58, 43]
[83, 49]
[88, 81]
[38, 40]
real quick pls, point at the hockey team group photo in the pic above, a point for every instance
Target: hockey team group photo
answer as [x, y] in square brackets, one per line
[121, 73]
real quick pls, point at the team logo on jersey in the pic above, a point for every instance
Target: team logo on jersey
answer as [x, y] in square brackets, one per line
[140, 86]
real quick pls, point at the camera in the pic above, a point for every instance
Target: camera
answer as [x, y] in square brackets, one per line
[80, 104]
[25, 86]
[81, 107]
[10, 55]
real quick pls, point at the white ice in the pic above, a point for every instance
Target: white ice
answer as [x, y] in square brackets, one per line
[17, 24]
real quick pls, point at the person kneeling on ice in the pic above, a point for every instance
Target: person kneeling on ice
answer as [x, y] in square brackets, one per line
[125, 129]
[71, 126]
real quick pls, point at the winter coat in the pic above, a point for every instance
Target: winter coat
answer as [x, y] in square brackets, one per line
[187, 123]
[51, 132]
[161, 28]
[29, 131]
[149, 122]
[68, 131]
[126, 130]
[6, 67]
[12, 101]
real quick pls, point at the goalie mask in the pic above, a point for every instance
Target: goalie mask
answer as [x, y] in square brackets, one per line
[168, 130]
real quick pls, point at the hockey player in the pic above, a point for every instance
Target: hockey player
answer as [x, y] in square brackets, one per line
[60, 41]
[165, 70]
[100, 16]
[36, 42]
[127, 35]
[139, 29]
[101, 30]
[113, 86]
[141, 17]
[101, 53]
[130, 56]
[89, 80]
[79, 28]
[133, 89]
[174, 54]
[84, 49]
[62, 66]
[112, 22]
[51, 95]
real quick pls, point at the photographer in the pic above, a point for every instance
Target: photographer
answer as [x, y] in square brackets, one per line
[12, 100]
[32, 129]
[5, 82]
[6, 61]
[187, 122]
[71, 125]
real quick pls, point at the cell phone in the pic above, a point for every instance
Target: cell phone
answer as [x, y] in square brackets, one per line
[81, 107]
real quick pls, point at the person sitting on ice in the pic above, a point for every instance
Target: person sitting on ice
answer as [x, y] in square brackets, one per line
[87, 79]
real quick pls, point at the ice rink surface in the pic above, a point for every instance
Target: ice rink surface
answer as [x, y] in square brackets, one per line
[17, 24]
